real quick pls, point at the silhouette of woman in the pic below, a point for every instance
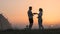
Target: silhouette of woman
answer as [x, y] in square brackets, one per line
[40, 18]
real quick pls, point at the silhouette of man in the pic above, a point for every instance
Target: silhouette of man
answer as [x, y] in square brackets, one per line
[40, 18]
[30, 15]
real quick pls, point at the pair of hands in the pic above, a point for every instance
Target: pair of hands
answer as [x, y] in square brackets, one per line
[35, 13]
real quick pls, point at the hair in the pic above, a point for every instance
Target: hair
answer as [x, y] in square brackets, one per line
[40, 9]
[30, 7]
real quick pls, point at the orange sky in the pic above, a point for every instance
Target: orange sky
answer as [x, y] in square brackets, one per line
[16, 11]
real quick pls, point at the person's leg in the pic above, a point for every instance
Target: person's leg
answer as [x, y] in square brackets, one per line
[31, 23]
[39, 26]
[39, 23]
[42, 25]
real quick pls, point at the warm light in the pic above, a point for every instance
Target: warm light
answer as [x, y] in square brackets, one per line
[16, 11]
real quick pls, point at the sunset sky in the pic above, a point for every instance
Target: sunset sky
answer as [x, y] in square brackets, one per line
[16, 12]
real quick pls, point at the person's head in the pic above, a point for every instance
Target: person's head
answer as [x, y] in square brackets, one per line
[30, 8]
[40, 9]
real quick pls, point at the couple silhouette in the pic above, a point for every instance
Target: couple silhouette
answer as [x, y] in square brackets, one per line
[30, 16]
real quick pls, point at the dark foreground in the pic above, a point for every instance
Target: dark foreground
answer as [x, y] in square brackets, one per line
[35, 31]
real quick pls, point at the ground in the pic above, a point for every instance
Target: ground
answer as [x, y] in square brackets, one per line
[33, 31]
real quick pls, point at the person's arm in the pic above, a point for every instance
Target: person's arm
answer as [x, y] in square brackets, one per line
[35, 13]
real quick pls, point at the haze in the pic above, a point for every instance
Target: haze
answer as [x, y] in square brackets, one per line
[16, 12]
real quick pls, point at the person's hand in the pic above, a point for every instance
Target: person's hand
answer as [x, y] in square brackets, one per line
[35, 13]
